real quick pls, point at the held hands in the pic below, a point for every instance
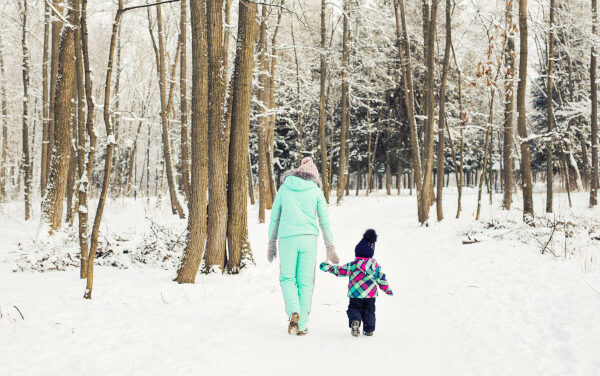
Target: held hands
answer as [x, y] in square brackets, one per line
[331, 255]
[272, 251]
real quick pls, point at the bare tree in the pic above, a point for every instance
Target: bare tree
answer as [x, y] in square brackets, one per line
[57, 25]
[89, 122]
[345, 102]
[45, 102]
[405, 62]
[162, 81]
[197, 223]
[264, 191]
[185, 143]
[427, 187]
[52, 206]
[322, 110]
[442, 117]
[217, 172]
[83, 181]
[509, 82]
[594, 88]
[4, 161]
[25, 165]
[522, 119]
[110, 144]
[550, 113]
[237, 223]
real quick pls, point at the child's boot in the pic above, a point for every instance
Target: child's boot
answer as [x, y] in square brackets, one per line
[355, 326]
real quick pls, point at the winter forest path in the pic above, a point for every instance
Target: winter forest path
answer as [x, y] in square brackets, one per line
[492, 308]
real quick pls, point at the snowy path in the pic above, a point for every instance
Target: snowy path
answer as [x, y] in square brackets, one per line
[493, 308]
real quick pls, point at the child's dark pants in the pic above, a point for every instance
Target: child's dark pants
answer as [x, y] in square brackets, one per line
[362, 310]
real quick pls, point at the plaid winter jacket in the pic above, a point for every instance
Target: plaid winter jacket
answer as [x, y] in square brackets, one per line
[365, 275]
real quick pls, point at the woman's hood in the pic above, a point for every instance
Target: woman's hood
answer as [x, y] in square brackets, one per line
[300, 180]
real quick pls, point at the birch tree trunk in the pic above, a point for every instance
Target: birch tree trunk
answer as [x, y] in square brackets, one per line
[197, 223]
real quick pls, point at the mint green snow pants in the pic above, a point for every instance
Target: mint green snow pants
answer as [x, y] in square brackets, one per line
[298, 257]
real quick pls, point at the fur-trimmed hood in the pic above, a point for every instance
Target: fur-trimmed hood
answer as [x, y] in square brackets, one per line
[302, 175]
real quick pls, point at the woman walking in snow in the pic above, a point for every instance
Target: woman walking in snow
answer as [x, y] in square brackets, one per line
[297, 205]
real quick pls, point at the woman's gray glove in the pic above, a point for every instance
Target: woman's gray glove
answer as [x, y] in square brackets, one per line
[331, 255]
[272, 251]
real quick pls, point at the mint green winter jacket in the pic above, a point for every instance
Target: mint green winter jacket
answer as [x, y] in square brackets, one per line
[297, 205]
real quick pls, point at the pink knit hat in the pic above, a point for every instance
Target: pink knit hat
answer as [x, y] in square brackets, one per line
[309, 166]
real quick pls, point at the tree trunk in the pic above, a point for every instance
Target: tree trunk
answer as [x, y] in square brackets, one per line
[322, 109]
[442, 118]
[185, 143]
[26, 166]
[55, 56]
[550, 114]
[272, 116]
[52, 206]
[263, 187]
[509, 81]
[70, 190]
[237, 223]
[175, 204]
[3, 99]
[88, 92]
[522, 120]
[250, 181]
[427, 187]
[83, 182]
[404, 48]
[199, 169]
[132, 154]
[485, 152]
[594, 88]
[108, 159]
[388, 177]
[217, 172]
[45, 103]
[344, 107]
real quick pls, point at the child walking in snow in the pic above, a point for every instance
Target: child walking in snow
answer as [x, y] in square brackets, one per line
[365, 275]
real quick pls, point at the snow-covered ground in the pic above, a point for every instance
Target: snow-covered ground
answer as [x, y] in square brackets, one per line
[497, 307]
